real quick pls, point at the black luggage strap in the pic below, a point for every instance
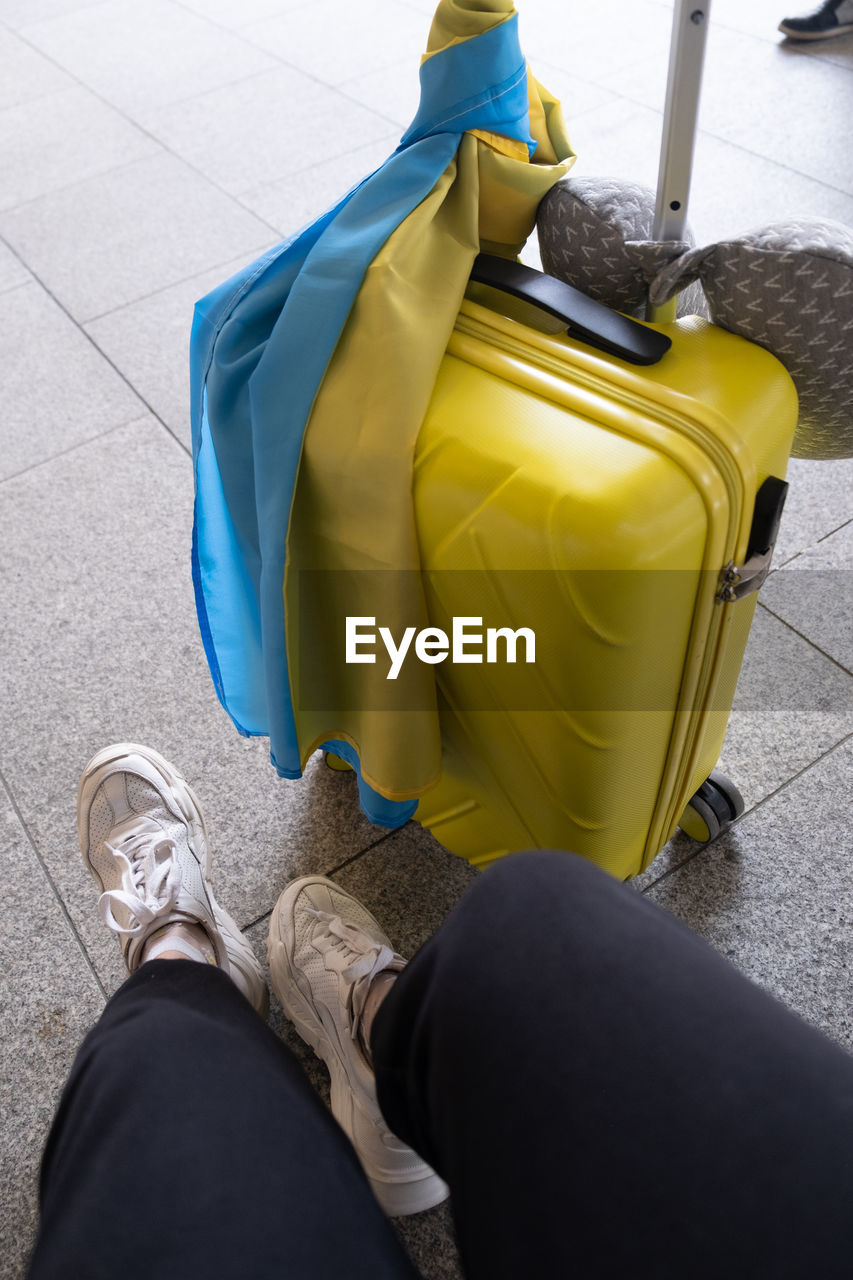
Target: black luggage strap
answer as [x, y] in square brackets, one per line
[588, 321]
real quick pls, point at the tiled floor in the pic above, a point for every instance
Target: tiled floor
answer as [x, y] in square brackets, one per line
[146, 150]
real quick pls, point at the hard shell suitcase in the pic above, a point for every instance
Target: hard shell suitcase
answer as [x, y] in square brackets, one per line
[611, 509]
[626, 516]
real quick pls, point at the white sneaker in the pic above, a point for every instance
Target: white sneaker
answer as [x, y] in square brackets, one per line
[142, 836]
[324, 950]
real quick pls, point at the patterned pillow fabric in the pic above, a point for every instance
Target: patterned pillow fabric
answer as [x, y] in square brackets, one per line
[595, 233]
[788, 287]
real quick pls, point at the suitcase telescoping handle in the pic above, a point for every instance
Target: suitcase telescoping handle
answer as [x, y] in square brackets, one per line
[588, 321]
[678, 137]
[681, 111]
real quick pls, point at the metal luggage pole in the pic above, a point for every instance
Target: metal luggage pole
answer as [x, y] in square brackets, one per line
[684, 80]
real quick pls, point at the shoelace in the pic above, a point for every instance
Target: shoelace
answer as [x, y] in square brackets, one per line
[363, 958]
[150, 881]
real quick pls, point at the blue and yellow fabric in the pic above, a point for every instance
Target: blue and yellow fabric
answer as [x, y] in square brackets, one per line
[311, 371]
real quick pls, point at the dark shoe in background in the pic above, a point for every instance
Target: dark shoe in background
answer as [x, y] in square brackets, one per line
[834, 18]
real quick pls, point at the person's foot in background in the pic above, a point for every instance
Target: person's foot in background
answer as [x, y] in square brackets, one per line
[833, 18]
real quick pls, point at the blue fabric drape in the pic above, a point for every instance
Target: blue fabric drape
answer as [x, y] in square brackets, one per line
[260, 345]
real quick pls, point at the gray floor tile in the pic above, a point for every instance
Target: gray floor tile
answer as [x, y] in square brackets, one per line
[758, 18]
[575, 95]
[149, 342]
[61, 138]
[271, 124]
[581, 40]
[296, 200]
[616, 137]
[329, 39]
[792, 706]
[774, 894]
[819, 501]
[394, 92]
[123, 235]
[814, 594]
[735, 190]
[13, 273]
[742, 76]
[49, 1000]
[57, 389]
[838, 51]
[139, 57]
[732, 189]
[410, 883]
[430, 1241]
[103, 646]
[239, 13]
[24, 74]
[20, 13]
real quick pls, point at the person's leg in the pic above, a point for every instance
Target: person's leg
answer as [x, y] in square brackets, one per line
[607, 1096]
[187, 1142]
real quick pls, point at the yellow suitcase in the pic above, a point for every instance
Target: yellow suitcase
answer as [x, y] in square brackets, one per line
[625, 515]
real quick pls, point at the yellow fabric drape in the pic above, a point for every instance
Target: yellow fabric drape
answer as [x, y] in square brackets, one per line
[352, 545]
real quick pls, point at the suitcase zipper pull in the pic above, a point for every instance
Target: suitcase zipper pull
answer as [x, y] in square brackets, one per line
[737, 581]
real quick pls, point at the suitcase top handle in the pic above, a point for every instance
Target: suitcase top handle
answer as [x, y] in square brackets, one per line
[588, 321]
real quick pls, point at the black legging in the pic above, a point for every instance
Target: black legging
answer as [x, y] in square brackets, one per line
[604, 1094]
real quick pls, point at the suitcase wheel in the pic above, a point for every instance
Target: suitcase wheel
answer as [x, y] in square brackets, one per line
[335, 762]
[714, 806]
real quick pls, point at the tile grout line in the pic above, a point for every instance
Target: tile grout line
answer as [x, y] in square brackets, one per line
[783, 564]
[64, 453]
[260, 920]
[92, 177]
[176, 284]
[163, 146]
[369, 849]
[824, 536]
[848, 737]
[14, 288]
[812, 643]
[237, 33]
[747, 151]
[88, 337]
[146, 132]
[49, 878]
[305, 173]
[79, 8]
[265, 915]
[759, 804]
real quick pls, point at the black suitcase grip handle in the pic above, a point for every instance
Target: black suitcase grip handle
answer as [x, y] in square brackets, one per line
[589, 321]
